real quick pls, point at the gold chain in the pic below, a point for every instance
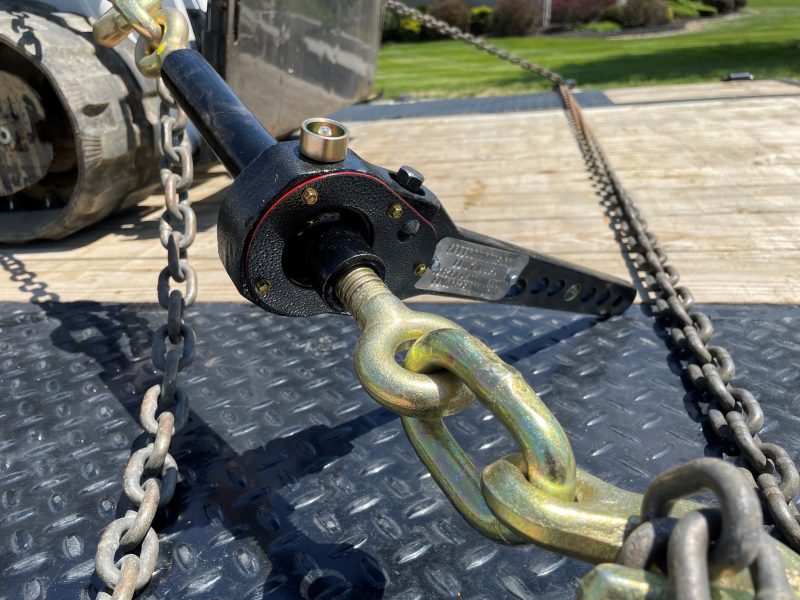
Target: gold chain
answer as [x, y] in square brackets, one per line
[534, 496]
[161, 31]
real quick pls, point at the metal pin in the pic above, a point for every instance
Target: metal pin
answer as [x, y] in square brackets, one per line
[324, 140]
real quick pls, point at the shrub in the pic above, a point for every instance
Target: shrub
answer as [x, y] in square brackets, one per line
[706, 11]
[684, 9]
[452, 12]
[409, 30]
[615, 14]
[391, 23]
[600, 27]
[684, 12]
[740, 4]
[645, 13]
[480, 22]
[692, 8]
[513, 17]
[577, 11]
[722, 6]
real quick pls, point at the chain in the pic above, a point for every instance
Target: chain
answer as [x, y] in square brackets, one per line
[538, 494]
[444, 370]
[160, 31]
[700, 547]
[455, 33]
[164, 408]
[151, 474]
[733, 412]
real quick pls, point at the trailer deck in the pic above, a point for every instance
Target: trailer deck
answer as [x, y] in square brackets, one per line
[294, 482]
[714, 168]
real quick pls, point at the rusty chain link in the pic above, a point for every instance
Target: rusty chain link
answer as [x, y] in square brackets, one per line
[164, 407]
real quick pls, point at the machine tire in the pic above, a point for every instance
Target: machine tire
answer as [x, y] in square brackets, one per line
[92, 99]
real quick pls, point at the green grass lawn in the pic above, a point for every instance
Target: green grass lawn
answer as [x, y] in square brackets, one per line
[765, 40]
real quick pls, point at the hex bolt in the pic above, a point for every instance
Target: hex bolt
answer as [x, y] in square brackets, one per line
[310, 196]
[396, 211]
[420, 270]
[410, 227]
[410, 179]
[263, 287]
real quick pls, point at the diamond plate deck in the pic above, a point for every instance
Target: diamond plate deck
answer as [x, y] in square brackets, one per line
[294, 483]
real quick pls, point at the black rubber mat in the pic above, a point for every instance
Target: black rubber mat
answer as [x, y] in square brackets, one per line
[294, 483]
[467, 106]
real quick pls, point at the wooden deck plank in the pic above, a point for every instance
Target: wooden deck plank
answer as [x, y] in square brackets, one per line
[717, 180]
[698, 91]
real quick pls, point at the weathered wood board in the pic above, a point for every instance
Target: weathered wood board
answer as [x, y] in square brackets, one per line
[703, 91]
[718, 180]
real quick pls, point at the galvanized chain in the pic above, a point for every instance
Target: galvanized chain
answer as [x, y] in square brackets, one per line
[698, 549]
[733, 412]
[455, 33]
[164, 408]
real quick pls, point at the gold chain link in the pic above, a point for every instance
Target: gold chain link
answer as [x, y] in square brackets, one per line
[116, 24]
[161, 31]
[535, 496]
